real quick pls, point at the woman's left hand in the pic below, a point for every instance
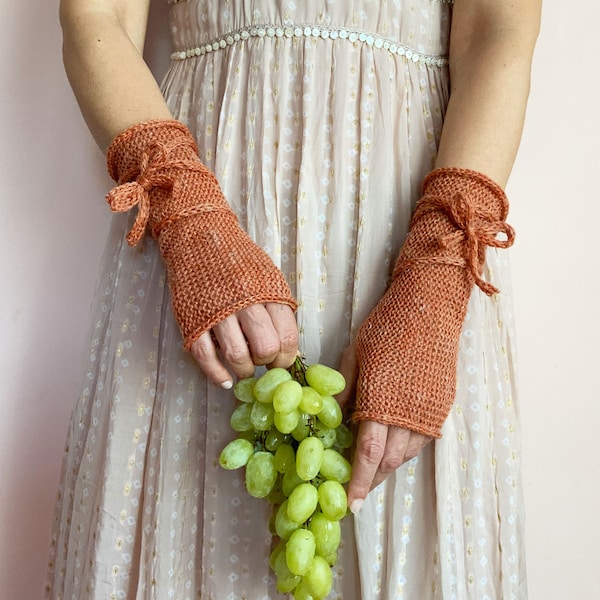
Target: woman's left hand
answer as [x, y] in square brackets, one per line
[379, 449]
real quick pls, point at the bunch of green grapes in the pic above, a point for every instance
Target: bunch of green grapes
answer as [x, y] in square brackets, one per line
[290, 441]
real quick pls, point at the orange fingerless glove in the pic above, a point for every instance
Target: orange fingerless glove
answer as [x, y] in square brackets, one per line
[213, 267]
[407, 349]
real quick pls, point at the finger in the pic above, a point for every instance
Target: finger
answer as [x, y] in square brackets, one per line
[426, 440]
[260, 334]
[370, 446]
[284, 322]
[416, 443]
[394, 454]
[205, 353]
[398, 441]
[234, 347]
[397, 444]
[348, 367]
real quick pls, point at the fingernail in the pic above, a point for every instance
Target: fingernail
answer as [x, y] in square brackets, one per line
[356, 505]
[227, 385]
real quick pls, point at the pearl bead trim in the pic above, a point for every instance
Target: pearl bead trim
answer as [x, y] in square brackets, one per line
[176, 1]
[298, 31]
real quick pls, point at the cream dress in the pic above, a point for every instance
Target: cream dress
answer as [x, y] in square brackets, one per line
[320, 120]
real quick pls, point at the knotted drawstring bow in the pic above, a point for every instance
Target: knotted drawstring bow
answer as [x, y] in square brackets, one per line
[473, 227]
[157, 170]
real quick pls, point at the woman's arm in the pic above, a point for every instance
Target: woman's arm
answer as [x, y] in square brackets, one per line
[491, 50]
[103, 42]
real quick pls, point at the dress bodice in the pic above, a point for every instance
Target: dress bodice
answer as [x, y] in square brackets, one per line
[415, 29]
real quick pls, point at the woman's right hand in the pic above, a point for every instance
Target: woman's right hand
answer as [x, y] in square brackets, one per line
[260, 334]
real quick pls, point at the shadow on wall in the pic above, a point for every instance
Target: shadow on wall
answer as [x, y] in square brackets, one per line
[56, 221]
[158, 44]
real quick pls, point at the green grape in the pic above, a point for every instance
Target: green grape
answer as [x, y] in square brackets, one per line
[301, 592]
[324, 379]
[286, 580]
[335, 466]
[265, 387]
[332, 499]
[287, 396]
[327, 435]
[284, 457]
[276, 495]
[279, 563]
[286, 422]
[260, 474]
[240, 418]
[261, 416]
[290, 480]
[331, 558]
[319, 578]
[249, 435]
[308, 457]
[274, 439]
[331, 413]
[271, 525]
[344, 437]
[302, 502]
[287, 583]
[284, 526]
[275, 553]
[327, 534]
[301, 430]
[242, 390]
[300, 551]
[236, 454]
[311, 402]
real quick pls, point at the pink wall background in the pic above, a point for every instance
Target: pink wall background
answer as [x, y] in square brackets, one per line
[54, 219]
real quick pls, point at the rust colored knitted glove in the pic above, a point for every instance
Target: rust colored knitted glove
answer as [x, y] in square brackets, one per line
[213, 267]
[407, 349]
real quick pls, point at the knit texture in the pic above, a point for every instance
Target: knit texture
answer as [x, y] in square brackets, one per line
[213, 267]
[407, 349]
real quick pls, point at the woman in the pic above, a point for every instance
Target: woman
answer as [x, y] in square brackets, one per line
[321, 122]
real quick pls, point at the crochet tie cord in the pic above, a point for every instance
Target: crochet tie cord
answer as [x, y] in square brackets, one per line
[213, 267]
[407, 349]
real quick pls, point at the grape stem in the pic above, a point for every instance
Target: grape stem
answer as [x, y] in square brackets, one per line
[298, 370]
[261, 440]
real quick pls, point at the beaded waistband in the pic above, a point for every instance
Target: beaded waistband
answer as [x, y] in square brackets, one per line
[311, 31]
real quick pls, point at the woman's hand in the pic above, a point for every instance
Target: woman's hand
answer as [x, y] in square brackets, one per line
[260, 334]
[379, 449]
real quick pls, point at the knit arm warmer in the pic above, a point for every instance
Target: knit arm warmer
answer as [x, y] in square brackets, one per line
[213, 267]
[407, 349]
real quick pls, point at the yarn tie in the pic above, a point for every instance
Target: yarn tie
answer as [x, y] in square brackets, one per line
[466, 245]
[156, 170]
